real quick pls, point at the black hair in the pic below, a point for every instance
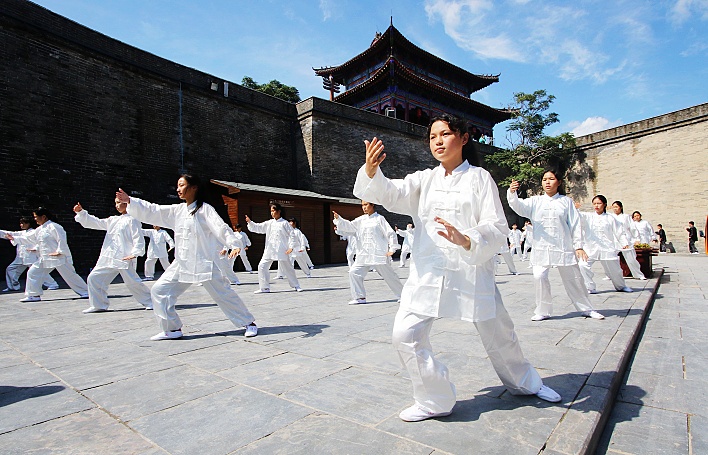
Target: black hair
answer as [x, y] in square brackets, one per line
[278, 208]
[26, 220]
[457, 125]
[238, 226]
[636, 211]
[200, 197]
[294, 220]
[559, 176]
[43, 211]
[619, 204]
[690, 222]
[603, 199]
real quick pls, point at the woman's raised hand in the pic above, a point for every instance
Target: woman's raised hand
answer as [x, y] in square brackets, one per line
[374, 156]
[514, 186]
[122, 196]
[78, 208]
[452, 234]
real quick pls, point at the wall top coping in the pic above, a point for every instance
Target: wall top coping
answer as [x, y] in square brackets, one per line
[236, 187]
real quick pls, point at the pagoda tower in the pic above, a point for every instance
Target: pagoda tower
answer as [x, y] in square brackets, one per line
[396, 78]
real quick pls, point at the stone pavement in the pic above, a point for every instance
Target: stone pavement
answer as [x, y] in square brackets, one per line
[662, 406]
[321, 376]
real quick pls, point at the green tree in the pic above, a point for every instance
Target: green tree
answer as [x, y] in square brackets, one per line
[274, 88]
[531, 149]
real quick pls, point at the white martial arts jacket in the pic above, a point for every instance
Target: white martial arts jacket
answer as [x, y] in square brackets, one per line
[603, 235]
[644, 230]
[50, 237]
[198, 238]
[408, 237]
[630, 230]
[375, 238]
[299, 243]
[157, 247]
[527, 236]
[515, 238]
[557, 231]
[445, 280]
[25, 256]
[244, 238]
[351, 242]
[278, 238]
[124, 237]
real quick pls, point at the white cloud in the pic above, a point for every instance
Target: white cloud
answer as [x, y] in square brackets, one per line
[327, 9]
[591, 125]
[684, 10]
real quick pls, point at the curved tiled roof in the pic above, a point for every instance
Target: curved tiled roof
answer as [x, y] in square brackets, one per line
[386, 43]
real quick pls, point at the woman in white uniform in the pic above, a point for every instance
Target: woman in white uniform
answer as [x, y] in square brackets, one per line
[25, 257]
[278, 247]
[630, 231]
[50, 241]
[527, 238]
[200, 234]
[123, 244]
[557, 242]
[247, 244]
[644, 229]
[299, 251]
[604, 238]
[157, 249]
[408, 235]
[460, 227]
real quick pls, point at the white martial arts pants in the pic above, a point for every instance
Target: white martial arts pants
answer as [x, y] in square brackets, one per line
[150, 265]
[166, 291]
[527, 248]
[509, 261]
[630, 257]
[308, 261]
[244, 258]
[38, 275]
[226, 266]
[515, 250]
[350, 259]
[99, 279]
[357, 273]
[612, 269]
[405, 251]
[432, 389]
[284, 267]
[572, 281]
[301, 262]
[14, 272]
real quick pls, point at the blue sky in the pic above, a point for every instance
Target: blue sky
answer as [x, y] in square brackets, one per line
[607, 62]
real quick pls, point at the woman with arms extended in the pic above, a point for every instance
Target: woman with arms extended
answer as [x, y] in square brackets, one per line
[200, 234]
[461, 226]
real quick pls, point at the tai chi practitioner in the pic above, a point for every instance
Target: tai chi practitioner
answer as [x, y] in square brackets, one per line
[460, 227]
[123, 244]
[507, 257]
[527, 238]
[351, 246]
[408, 235]
[603, 239]
[53, 250]
[514, 240]
[200, 234]
[377, 242]
[644, 229]
[226, 262]
[299, 242]
[247, 244]
[157, 249]
[557, 242]
[279, 244]
[25, 257]
[630, 232]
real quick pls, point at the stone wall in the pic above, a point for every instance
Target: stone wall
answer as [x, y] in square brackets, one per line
[658, 166]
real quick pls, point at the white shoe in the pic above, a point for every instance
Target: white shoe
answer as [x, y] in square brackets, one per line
[540, 317]
[626, 289]
[93, 310]
[173, 335]
[251, 330]
[52, 288]
[148, 308]
[7, 290]
[149, 278]
[593, 314]
[416, 414]
[83, 296]
[548, 394]
[607, 278]
[251, 271]
[592, 291]
[356, 301]
[236, 283]
[261, 291]
[514, 273]
[31, 298]
[642, 278]
[298, 289]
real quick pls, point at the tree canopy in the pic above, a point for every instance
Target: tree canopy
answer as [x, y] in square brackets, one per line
[274, 88]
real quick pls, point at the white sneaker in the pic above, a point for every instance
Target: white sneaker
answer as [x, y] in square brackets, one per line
[31, 298]
[148, 308]
[7, 290]
[93, 310]
[173, 335]
[416, 414]
[261, 291]
[642, 278]
[548, 394]
[626, 289]
[607, 278]
[298, 289]
[540, 317]
[593, 314]
[52, 288]
[592, 291]
[356, 301]
[251, 330]
[149, 278]
[83, 296]
[237, 283]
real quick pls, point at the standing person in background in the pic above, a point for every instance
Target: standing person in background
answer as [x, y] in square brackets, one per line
[644, 229]
[157, 249]
[692, 237]
[278, 246]
[247, 244]
[408, 235]
[527, 238]
[50, 241]
[661, 234]
[376, 244]
[123, 244]
[305, 253]
[514, 240]
[351, 246]
[505, 253]
[632, 235]
[298, 252]
[24, 258]
[200, 234]
[557, 242]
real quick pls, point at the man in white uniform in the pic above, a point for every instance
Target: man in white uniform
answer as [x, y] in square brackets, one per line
[514, 240]
[408, 235]
[26, 256]
[157, 249]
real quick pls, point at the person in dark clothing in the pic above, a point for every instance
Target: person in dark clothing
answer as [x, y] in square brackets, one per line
[662, 238]
[692, 237]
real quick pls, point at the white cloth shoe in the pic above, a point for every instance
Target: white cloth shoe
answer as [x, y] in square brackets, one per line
[93, 310]
[416, 414]
[356, 301]
[173, 335]
[261, 291]
[592, 291]
[298, 289]
[548, 394]
[251, 330]
[84, 295]
[540, 317]
[626, 289]
[593, 314]
[31, 298]
[52, 288]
